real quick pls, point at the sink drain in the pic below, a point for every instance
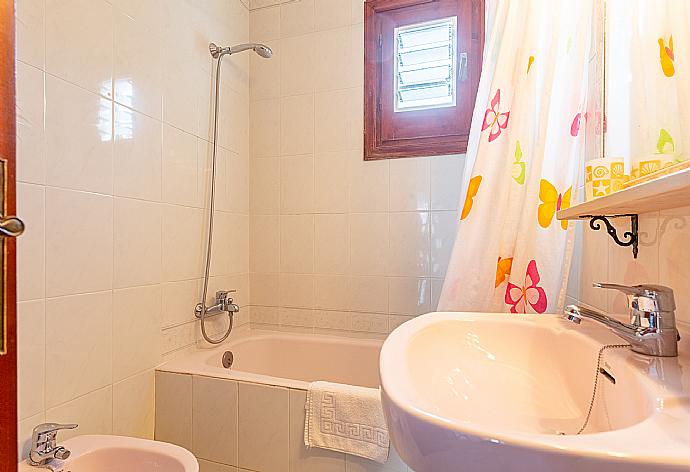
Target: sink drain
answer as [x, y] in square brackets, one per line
[227, 359]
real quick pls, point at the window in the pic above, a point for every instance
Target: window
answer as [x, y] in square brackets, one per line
[422, 65]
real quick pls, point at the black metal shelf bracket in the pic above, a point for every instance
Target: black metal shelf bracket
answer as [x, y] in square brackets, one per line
[630, 238]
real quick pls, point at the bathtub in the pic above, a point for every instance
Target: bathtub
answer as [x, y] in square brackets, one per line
[251, 415]
[288, 360]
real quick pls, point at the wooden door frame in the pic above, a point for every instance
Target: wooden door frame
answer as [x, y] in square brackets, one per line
[8, 361]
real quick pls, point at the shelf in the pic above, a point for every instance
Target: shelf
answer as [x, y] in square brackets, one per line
[669, 191]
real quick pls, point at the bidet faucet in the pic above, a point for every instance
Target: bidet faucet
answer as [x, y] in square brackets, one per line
[44, 448]
[652, 329]
[224, 303]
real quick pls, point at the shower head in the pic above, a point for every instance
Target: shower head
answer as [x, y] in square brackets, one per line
[261, 49]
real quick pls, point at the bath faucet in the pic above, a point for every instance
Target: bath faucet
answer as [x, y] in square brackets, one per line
[44, 448]
[224, 303]
[652, 329]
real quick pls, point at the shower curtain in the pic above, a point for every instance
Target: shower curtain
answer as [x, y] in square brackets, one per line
[523, 160]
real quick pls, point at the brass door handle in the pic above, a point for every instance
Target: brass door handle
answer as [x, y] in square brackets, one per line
[11, 226]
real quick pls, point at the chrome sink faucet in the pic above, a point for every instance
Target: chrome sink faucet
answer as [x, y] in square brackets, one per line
[44, 448]
[652, 329]
[224, 303]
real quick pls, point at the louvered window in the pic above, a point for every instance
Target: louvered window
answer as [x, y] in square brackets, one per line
[425, 65]
[422, 62]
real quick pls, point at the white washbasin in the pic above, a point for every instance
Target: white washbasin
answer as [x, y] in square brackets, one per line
[492, 392]
[95, 453]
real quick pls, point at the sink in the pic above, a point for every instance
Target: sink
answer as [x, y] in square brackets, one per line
[496, 392]
[96, 453]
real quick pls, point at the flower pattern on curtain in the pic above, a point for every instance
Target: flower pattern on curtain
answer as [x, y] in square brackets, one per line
[524, 157]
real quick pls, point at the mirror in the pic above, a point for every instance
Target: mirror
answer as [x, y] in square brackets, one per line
[646, 88]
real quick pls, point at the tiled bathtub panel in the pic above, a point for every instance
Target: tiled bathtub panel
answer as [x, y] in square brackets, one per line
[174, 409]
[263, 427]
[214, 419]
[265, 435]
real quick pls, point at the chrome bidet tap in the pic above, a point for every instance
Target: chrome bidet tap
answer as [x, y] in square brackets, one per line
[652, 329]
[44, 448]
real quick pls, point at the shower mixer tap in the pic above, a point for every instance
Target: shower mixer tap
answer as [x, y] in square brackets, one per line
[224, 303]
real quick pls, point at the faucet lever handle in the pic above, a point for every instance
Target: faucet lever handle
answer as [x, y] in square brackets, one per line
[46, 428]
[645, 297]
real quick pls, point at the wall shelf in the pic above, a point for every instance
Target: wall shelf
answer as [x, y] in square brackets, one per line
[669, 191]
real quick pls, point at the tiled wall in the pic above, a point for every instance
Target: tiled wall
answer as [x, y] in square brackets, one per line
[337, 244]
[113, 167]
[664, 256]
[236, 426]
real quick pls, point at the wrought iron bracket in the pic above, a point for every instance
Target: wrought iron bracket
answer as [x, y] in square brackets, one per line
[630, 238]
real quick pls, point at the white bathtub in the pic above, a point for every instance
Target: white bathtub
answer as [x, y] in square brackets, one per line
[288, 360]
[251, 416]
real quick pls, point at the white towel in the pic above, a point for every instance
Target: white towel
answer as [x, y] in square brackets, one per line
[346, 418]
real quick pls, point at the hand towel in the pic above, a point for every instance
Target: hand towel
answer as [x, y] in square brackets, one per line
[346, 418]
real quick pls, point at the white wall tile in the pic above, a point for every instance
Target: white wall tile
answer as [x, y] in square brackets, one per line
[134, 406]
[264, 128]
[369, 185]
[31, 140]
[333, 50]
[79, 245]
[297, 244]
[409, 252]
[296, 290]
[137, 155]
[179, 167]
[330, 14]
[183, 251]
[137, 248]
[297, 125]
[410, 184]
[446, 177]
[30, 32]
[78, 342]
[79, 43]
[297, 184]
[443, 230]
[296, 18]
[333, 126]
[136, 330]
[31, 246]
[138, 71]
[409, 295]
[264, 186]
[332, 181]
[369, 240]
[264, 243]
[79, 127]
[331, 244]
[31, 358]
[298, 65]
[93, 413]
[264, 24]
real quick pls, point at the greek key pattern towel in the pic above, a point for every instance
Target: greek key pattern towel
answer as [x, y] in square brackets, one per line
[346, 418]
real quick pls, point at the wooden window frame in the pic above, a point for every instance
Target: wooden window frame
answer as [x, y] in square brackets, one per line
[416, 133]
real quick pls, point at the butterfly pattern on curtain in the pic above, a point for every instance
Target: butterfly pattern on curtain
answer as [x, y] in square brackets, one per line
[525, 152]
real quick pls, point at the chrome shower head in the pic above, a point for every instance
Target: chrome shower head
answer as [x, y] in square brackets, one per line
[261, 49]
